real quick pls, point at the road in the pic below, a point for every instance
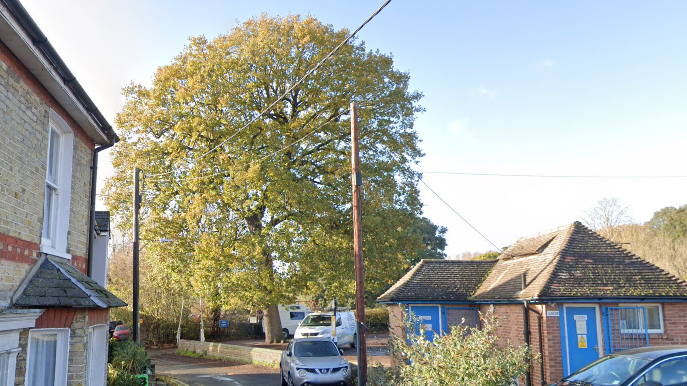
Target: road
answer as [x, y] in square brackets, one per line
[214, 372]
[211, 372]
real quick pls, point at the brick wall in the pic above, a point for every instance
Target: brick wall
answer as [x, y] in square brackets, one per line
[23, 146]
[553, 354]
[78, 349]
[675, 322]
[396, 329]
[16, 258]
[25, 108]
[511, 329]
[80, 201]
[20, 374]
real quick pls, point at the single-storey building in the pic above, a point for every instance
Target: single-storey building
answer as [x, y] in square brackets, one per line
[571, 294]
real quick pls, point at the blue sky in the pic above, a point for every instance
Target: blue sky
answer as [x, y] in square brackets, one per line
[515, 87]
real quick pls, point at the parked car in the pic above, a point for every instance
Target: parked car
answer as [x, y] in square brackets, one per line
[122, 332]
[647, 366]
[319, 324]
[113, 325]
[314, 361]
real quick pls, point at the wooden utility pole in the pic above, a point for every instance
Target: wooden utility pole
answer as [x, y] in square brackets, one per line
[357, 182]
[137, 207]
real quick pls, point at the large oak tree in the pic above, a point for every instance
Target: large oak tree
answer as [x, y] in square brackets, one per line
[266, 215]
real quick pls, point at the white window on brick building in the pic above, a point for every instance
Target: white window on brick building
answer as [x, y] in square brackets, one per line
[47, 357]
[654, 319]
[97, 355]
[57, 187]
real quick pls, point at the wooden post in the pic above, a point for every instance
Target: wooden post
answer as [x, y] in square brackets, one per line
[357, 182]
[137, 207]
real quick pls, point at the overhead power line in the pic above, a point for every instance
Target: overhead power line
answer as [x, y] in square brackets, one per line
[555, 175]
[286, 93]
[459, 215]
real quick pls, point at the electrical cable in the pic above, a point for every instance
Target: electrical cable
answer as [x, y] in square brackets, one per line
[307, 74]
[554, 175]
[313, 131]
[461, 217]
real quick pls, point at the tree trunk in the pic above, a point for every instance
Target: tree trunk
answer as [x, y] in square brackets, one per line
[272, 325]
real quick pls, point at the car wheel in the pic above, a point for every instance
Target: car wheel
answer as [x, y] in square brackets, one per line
[290, 382]
[355, 340]
[285, 332]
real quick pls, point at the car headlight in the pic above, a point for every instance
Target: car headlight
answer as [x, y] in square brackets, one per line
[301, 373]
[344, 372]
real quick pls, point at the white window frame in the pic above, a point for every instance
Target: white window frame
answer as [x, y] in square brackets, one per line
[62, 354]
[97, 355]
[58, 215]
[650, 330]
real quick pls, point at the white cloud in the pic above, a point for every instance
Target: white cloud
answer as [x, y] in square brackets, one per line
[545, 64]
[483, 92]
[459, 127]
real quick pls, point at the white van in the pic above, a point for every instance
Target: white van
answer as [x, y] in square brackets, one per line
[320, 324]
[291, 316]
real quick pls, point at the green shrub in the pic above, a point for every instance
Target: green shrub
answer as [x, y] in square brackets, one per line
[117, 377]
[377, 320]
[466, 356]
[127, 359]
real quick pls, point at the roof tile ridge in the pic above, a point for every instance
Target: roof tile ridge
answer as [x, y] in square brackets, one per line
[566, 232]
[484, 278]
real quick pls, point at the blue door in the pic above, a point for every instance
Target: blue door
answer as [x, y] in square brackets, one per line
[581, 337]
[427, 319]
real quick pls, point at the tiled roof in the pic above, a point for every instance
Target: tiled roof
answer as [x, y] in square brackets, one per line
[439, 280]
[102, 221]
[53, 282]
[576, 263]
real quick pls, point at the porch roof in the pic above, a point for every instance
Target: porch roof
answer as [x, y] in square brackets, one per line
[53, 282]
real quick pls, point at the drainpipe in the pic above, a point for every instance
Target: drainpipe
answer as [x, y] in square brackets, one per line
[526, 325]
[527, 333]
[91, 220]
[541, 345]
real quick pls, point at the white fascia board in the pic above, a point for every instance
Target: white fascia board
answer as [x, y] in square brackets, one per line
[18, 319]
[21, 46]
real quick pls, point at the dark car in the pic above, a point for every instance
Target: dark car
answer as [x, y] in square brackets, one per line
[314, 361]
[121, 332]
[647, 366]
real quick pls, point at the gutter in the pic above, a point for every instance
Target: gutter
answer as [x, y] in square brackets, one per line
[41, 42]
[91, 220]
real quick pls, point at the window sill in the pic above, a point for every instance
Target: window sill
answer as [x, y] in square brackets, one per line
[52, 251]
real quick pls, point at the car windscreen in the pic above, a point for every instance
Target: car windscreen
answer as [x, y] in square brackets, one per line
[607, 371]
[315, 349]
[317, 320]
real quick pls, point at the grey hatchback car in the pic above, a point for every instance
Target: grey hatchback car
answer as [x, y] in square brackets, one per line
[314, 361]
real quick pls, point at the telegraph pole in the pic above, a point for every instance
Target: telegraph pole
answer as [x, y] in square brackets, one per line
[137, 207]
[357, 182]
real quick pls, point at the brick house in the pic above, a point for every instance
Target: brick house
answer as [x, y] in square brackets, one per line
[571, 294]
[53, 316]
